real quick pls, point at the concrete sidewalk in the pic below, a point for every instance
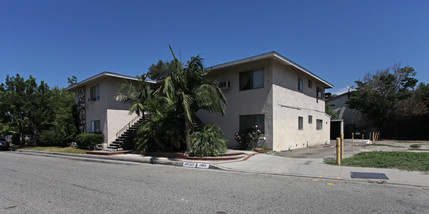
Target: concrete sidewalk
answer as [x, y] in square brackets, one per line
[314, 167]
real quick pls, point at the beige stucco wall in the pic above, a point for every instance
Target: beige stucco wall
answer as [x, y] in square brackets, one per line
[289, 104]
[254, 101]
[98, 110]
[116, 120]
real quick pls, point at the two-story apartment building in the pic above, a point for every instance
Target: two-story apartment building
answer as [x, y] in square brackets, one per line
[284, 99]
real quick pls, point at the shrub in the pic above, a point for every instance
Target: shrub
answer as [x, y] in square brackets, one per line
[89, 140]
[415, 146]
[210, 141]
[49, 138]
[248, 139]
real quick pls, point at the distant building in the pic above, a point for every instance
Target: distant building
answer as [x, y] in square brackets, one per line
[353, 119]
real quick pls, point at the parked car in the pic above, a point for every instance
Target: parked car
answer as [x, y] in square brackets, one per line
[4, 145]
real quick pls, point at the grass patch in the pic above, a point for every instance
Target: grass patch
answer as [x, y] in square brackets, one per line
[411, 161]
[381, 144]
[57, 149]
[410, 141]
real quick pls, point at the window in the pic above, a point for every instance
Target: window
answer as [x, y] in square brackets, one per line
[319, 93]
[94, 93]
[247, 121]
[300, 84]
[319, 124]
[310, 84]
[251, 79]
[310, 119]
[95, 126]
[300, 123]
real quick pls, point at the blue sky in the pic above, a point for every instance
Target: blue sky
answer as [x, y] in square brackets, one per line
[340, 41]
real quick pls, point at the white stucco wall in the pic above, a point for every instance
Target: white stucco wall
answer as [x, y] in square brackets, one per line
[289, 104]
[247, 102]
[98, 110]
[116, 120]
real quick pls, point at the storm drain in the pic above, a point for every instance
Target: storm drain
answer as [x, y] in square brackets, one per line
[369, 175]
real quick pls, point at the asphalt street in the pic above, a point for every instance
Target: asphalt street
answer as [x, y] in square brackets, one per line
[37, 184]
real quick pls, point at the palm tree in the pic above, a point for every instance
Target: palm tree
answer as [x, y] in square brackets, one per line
[190, 90]
[137, 94]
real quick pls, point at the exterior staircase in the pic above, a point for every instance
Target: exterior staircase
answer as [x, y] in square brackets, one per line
[125, 136]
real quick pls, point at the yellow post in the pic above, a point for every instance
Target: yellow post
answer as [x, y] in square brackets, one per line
[353, 139]
[338, 151]
[363, 136]
[342, 146]
[373, 138]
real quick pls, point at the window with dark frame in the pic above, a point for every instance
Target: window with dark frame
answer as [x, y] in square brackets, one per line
[247, 121]
[94, 93]
[300, 123]
[310, 119]
[310, 84]
[251, 79]
[300, 85]
[319, 124]
[95, 126]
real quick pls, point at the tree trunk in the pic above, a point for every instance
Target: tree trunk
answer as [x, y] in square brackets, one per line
[188, 142]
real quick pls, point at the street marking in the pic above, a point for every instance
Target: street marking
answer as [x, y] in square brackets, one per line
[315, 180]
[338, 178]
[330, 184]
[320, 176]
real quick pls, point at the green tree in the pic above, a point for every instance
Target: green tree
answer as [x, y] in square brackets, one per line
[333, 114]
[162, 69]
[189, 90]
[377, 95]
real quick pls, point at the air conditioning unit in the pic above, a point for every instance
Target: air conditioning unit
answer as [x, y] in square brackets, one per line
[224, 84]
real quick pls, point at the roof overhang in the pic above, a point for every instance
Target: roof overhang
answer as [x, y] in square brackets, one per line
[276, 56]
[106, 74]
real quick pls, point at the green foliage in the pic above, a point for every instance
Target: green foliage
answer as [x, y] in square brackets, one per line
[189, 90]
[210, 141]
[162, 131]
[89, 140]
[415, 146]
[333, 114]
[162, 70]
[412, 161]
[390, 101]
[248, 138]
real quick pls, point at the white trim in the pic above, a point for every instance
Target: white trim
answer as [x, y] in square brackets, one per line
[106, 74]
[273, 55]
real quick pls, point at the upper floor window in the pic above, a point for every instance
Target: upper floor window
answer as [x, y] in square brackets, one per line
[310, 84]
[310, 119]
[249, 121]
[94, 93]
[251, 79]
[300, 85]
[319, 93]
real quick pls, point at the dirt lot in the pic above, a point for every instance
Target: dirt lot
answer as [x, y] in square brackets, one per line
[328, 151]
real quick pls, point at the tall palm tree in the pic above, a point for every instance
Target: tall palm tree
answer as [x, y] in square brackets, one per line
[137, 94]
[190, 91]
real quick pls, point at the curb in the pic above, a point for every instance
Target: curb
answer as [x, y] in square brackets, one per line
[97, 158]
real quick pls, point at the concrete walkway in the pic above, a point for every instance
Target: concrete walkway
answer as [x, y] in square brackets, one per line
[315, 168]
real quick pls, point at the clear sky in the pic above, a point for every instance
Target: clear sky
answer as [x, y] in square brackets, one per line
[339, 41]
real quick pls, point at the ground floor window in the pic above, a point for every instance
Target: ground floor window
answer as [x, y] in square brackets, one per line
[319, 124]
[247, 121]
[95, 126]
[300, 123]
